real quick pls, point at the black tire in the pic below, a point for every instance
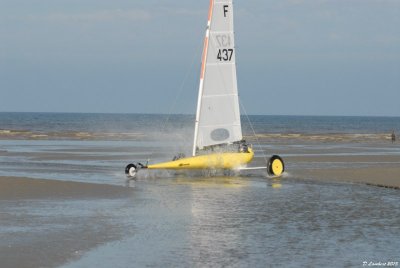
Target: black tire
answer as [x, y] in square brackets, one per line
[275, 166]
[131, 170]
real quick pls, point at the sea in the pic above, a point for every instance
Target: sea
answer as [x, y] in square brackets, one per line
[47, 123]
[179, 220]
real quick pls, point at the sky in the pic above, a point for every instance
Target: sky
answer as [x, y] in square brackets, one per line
[294, 57]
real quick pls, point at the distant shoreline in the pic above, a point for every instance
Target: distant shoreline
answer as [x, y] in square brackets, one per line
[193, 115]
[13, 134]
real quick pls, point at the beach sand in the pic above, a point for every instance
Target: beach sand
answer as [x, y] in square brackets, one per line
[45, 223]
[383, 171]
[15, 188]
[371, 159]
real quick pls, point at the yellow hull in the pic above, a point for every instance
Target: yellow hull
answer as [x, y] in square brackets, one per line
[210, 161]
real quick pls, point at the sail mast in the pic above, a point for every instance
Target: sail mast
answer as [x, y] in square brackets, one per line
[201, 85]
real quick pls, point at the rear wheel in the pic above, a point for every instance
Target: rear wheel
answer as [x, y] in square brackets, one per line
[275, 165]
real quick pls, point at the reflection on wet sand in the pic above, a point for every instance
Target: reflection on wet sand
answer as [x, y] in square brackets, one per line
[210, 182]
[276, 183]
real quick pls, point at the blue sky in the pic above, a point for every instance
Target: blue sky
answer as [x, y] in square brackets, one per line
[294, 57]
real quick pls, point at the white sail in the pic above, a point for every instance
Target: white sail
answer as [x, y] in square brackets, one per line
[218, 113]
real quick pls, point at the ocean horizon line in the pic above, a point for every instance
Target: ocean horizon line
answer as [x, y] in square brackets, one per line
[188, 114]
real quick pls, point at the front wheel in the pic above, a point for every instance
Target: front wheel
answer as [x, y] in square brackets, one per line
[275, 165]
[131, 170]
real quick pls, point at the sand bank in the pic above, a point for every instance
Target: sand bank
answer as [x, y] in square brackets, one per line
[45, 223]
[25, 188]
[11, 134]
[373, 170]
[321, 137]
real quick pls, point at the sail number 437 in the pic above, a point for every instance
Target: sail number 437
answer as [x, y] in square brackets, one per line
[225, 54]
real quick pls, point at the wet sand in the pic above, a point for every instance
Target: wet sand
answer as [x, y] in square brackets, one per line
[45, 223]
[385, 172]
[374, 163]
[14, 188]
